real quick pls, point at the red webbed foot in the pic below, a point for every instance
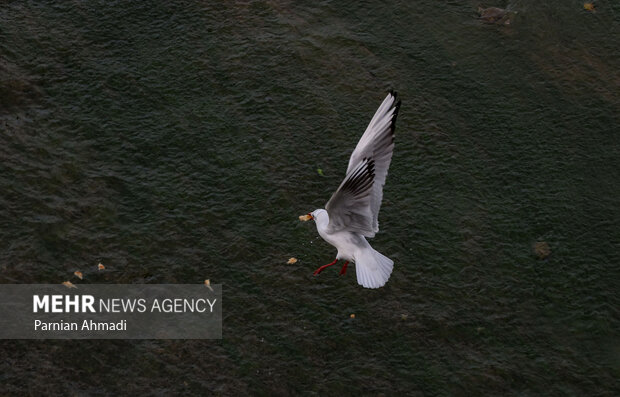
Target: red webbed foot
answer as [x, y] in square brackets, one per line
[343, 271]
[320, 269]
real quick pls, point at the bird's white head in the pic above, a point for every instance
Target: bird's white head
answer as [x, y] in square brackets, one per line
[320, 216]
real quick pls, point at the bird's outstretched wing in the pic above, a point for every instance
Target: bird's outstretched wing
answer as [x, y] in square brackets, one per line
[355, 205]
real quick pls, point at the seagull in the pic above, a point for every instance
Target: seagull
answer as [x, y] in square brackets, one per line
[351, 214]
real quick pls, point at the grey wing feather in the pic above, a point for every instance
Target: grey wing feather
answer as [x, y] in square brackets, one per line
[349, 206]
[376, 145]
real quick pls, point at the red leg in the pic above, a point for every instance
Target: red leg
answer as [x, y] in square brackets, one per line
[343, 271]
[320, 269]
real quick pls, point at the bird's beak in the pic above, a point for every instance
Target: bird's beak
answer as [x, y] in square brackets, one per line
[306, 217]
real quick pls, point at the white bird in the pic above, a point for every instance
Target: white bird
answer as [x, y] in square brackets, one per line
[351, 214]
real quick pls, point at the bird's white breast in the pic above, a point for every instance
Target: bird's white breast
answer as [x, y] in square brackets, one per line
[347, 243]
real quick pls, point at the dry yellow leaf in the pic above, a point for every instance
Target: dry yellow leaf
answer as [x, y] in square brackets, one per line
[69, 284]
[78, 274]
[588, 6]
[100, 266]
[352, 315]
[291, 261]
[208, 284]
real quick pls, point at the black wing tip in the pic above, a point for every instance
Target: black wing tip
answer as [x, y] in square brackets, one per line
[396, 107]
[394, 94]
[361, 180]
[370, 166]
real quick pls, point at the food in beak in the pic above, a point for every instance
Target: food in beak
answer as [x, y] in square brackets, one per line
[304, 218]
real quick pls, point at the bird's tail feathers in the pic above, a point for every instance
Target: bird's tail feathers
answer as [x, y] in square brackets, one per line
[373, 269]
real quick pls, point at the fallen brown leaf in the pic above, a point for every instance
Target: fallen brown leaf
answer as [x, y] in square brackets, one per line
[78, 274]
[542, 249]
[69, 284]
